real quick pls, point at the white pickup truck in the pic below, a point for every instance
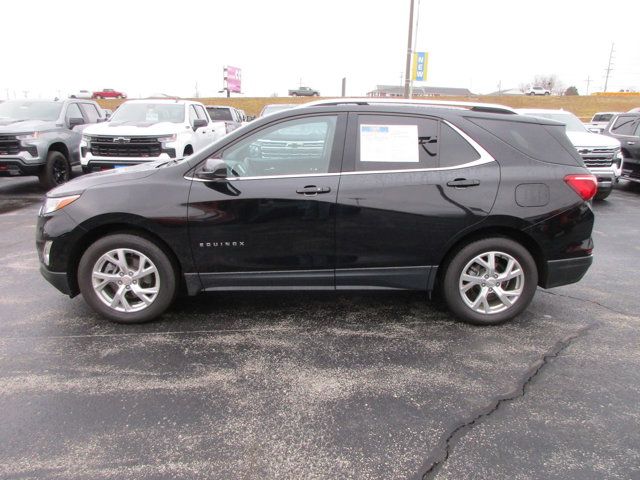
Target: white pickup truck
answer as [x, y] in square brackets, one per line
[599, 121]
[147, 130]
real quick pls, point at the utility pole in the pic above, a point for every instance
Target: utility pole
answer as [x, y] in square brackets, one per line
[606, 81]
[588, 83]
[415, 42]
[344, 86]
[407, 75]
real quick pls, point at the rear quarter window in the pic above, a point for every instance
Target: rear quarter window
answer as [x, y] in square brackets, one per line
[548, 143]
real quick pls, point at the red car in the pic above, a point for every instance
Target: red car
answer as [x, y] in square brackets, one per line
[109, 93]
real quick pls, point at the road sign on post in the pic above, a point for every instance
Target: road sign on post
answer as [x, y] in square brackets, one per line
[232, 79]
[420, 61]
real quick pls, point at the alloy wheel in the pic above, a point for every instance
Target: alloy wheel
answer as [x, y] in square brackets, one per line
[491, 282]
[125, 280]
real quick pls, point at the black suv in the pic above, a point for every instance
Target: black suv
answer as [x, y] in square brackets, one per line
[469, 198]
[626, 128]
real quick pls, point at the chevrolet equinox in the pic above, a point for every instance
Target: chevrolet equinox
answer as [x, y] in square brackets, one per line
[474, 200]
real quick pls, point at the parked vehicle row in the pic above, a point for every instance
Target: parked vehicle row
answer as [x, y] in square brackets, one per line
[147, 130]
[474, 200]
[42, 138]
[625, 127]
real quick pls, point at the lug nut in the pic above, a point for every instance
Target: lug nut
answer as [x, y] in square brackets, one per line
[491, 289]
[496, 275]
[484, 284]
[122, 274]
[135, 282]
[486, 276]
[119, 282]
[128, 287]
[131, 274]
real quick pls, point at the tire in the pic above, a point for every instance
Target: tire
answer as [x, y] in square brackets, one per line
[465, 262]
[294, 94]
[316, 94]
[602, 194]
[55, 171]
[547, 93]
[101, 261]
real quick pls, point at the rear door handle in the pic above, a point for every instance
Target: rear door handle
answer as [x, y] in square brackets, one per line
[312, 190]
[463, 183]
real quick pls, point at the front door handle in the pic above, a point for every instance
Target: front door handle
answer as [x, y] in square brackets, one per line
[463, 183]
[312, 190]
[631, 143]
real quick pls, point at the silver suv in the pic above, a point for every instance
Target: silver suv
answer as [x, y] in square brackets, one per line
[39, 137]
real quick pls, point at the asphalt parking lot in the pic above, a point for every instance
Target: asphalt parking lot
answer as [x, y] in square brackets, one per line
[290, 386]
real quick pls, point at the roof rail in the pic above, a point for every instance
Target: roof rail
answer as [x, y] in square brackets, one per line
[473, 106]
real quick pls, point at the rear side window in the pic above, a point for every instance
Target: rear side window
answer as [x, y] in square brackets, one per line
[391, 142]
[455, 150]
[624, 125]
[548, 143]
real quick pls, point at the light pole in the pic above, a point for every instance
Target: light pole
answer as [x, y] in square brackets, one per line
[407, 75]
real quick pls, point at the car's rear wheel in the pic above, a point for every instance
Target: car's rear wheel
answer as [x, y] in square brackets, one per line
[55, 171]
[490, 281]
[127, 278]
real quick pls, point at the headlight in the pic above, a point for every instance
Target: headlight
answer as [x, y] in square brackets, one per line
[168, 138]
[51, 204]
[86, 138]
[28, 136]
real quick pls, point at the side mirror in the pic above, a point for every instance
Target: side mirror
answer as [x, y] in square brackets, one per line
[199, 122]
[75, 121]
[213, 169]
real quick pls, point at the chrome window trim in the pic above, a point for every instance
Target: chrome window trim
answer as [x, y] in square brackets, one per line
[485, 157]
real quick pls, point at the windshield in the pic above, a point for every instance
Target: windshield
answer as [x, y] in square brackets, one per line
[26, 110]
[602, 117]
[149, 113]
[220, 114]
[276, 108]
[572, 122]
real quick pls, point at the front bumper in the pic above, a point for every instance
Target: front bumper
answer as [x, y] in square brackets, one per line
[22, 163]
[566, 271]
[57, 279]
[606, 177]
[92, 163]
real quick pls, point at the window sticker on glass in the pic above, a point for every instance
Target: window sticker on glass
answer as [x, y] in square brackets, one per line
[389, 143]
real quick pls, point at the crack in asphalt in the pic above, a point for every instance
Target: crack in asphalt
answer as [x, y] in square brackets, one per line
[436, 461]
[606, 307]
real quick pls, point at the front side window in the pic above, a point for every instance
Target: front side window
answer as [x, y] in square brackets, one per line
[624, 125]
[294, 147]
[220, 114]
[91, 112]
[391, 142]
[73, 111]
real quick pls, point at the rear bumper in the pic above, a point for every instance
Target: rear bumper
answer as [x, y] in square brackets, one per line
[566, 271]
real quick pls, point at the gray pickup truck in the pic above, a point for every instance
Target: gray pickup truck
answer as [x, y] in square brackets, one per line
[304, 92]
[39, 137]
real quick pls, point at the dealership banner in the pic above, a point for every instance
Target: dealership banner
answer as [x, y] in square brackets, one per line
[233, 77]
[420, 60]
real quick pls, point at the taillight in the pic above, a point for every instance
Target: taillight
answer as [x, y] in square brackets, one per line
[584, 185]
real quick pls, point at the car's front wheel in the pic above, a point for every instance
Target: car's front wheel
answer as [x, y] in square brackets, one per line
[127, 278]
[55, 171]
[490, 281]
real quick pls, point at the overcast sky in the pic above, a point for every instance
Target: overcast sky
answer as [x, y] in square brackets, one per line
[145, 47]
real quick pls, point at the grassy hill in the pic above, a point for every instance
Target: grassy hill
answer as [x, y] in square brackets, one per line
[582, 106]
